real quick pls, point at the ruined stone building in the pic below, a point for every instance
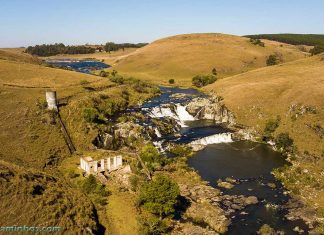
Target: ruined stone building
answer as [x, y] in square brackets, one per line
[91, 166]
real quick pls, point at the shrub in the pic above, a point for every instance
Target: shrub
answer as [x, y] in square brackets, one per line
[203, 80]
[317, 50]
[256, 42]
[134, 182]
[272, 60]
[97, 192]
[89, 184]
[84, 82]
[90, 114]
[117, 79]
[283, 141]
[270, 127]
[151, 157]
[160, 196]
[103, 73]
[153, 226]
[41, 103]
[171, 81]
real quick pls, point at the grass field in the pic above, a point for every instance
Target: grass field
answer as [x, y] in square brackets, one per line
[262, 94]
[183, 56]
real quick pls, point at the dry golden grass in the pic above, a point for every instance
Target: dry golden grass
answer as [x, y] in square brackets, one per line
[259, 95]
[31, 75]
[184, 56]
[16, 54]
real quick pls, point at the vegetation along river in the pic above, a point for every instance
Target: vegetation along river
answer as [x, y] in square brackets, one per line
[245, 164]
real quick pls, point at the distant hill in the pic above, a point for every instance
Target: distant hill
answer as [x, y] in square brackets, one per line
[183, 56]
[294, 39]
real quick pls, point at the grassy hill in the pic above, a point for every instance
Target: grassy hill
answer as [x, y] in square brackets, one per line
[183, 56]
[294, 39]
[294, 91]
[16, 54]
[38, 185]
[33, 191]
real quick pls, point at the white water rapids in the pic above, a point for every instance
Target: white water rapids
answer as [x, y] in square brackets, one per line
[214, 139]
[180, 113]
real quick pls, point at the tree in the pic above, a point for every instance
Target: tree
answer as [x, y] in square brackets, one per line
[160, 196]
[272, 60]
[203, 80]
[283, 141]
[214, 71]
[171, 81]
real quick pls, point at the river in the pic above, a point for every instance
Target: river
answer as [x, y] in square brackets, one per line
[249, 164]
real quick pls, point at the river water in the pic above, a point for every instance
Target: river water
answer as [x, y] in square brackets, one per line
[250, 164]
[82, 66]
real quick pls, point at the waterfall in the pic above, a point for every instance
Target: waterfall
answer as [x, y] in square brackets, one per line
[180, 114]
[157, 132]
[183, 114]
[214, 139]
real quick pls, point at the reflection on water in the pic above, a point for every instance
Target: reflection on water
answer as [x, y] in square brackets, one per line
[250, 164]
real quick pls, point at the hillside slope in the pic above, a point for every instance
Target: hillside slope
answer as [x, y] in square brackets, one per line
[259, 95]
[183, 56]
[294, 92]
[16, 54]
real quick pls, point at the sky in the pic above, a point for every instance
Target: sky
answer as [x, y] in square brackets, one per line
[75, 22]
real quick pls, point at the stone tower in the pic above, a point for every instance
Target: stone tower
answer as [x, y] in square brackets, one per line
[51, 100]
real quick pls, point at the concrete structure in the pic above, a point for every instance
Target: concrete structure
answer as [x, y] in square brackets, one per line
[91, 166]
[51, 100]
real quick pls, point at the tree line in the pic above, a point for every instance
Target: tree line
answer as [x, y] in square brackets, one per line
[58, 48]
[294, 39]
[111, 46]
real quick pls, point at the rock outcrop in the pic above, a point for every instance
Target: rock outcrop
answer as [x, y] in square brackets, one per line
[210, 108]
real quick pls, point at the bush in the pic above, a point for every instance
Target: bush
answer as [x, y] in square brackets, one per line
[270, 127]
[256, 42]
[117, 79]
[151, 157]
[272, 60]
[160, 196]
[283, 141]
[90, 114]
[103, 74]
[317, 50]
[153, 226]
[171, 81]
[203, 80]
[97, 192]
[84, 82]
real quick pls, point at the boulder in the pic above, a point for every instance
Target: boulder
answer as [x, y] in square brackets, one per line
[210, 108]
